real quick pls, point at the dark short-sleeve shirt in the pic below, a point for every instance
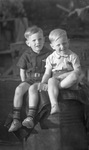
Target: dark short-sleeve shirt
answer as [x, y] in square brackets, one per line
[33, 62]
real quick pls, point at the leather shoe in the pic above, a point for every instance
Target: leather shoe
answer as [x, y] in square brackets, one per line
[16, 124]
[28, 122]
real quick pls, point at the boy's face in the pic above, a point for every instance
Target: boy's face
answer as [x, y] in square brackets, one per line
[60, 45]
[36, 42]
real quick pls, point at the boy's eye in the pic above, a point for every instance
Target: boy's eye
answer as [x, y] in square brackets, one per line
[62, 44]
[37, 39]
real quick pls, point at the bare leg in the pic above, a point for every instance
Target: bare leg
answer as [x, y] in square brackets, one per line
[33, 104]
[53, 91]
[33, 95]
[19, 92]
[69, 81]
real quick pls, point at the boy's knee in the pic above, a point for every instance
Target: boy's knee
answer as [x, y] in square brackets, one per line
[52, 81]
[74, 76]
[17, 89]
[33, 88]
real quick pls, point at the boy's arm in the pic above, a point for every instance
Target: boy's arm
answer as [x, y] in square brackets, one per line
[76, 67]
[46, 75]
[43, 84]
[22, 74]
[64, 75]
[77, 71]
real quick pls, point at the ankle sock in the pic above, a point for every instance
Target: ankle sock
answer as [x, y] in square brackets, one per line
[16, 113]
[32, 112]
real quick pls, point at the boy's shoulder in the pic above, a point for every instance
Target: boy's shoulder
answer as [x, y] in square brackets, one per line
[27, 51]
[25, 54]
[52, 53]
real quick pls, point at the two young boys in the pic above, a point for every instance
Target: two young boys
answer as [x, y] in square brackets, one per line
[62, 71]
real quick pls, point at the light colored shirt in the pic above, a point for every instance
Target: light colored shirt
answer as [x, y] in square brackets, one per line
[62, 63]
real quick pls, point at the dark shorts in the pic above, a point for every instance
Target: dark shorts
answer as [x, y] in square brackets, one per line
[33, 80]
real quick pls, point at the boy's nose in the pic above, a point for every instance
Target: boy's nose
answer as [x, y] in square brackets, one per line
[37, 41]
[62, 46]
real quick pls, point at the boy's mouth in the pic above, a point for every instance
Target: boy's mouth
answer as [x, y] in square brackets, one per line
[38, 46]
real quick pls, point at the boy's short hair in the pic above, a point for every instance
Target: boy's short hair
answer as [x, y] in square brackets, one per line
[32, 30]
[56, 34]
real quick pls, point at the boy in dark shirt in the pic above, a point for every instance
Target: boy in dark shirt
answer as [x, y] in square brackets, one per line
[31, 66]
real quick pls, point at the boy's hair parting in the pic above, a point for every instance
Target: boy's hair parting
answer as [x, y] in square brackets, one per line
[56, 34]
[32, 30]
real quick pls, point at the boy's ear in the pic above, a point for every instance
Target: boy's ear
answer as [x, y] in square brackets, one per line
[27, 42]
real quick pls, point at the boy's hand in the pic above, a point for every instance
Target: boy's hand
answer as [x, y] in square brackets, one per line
[42, 87]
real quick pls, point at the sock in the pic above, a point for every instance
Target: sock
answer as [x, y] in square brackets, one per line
[16, 113]
[32, 112]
